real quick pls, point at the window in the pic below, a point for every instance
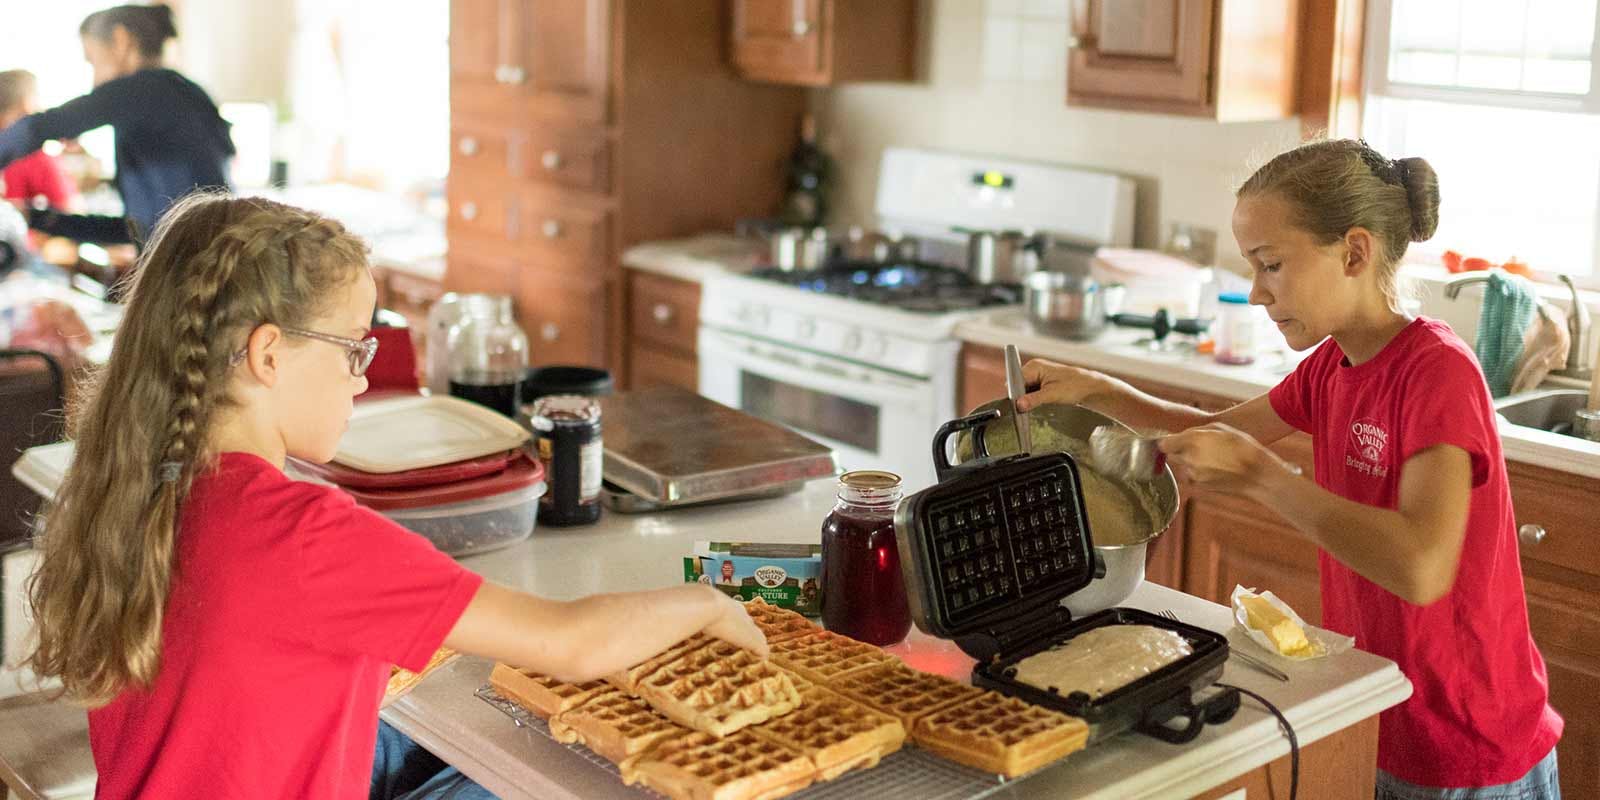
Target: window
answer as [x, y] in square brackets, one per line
[48, 46]
[1502, 98]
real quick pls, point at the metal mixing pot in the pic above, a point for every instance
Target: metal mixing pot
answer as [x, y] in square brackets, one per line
[1070, 305]
[1149, 505]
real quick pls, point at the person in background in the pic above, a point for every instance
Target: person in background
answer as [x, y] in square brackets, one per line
[230, 628]
[170, 139]
[1410, 505]
[36, 176]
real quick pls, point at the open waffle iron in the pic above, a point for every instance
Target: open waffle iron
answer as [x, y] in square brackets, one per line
[989, 552]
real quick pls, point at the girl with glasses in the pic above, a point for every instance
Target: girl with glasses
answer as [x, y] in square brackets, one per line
[231, 627]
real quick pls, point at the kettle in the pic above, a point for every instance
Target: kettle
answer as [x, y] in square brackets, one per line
[1005, 257]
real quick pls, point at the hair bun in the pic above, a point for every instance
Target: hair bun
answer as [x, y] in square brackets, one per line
[1422, 194]
[166, 20]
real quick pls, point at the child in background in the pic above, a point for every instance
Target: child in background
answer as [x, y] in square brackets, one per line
[1410, 506]
[231, 629]
[36, 176]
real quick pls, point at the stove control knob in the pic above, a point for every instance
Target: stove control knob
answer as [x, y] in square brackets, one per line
[805, 328]
[879, 346]
[852, 340]
[760, 317]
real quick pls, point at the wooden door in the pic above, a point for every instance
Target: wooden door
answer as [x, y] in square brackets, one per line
[650, 366]
[1230, 542]
[1150, 54]
[475, 54]
[560, 57]
[563, 316]
[781, 40]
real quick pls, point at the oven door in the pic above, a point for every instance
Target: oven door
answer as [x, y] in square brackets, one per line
[873, 418]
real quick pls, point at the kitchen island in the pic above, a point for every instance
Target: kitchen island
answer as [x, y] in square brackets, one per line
[1332, 703]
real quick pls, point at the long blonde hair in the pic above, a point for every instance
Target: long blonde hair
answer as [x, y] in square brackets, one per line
[1334, 185]
[216, 267]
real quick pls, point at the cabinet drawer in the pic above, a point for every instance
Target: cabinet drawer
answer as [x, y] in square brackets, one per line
[650, 367]
[563, 316]
[478, 269]
[780, 40]
[480, 209]
[1563, 505]
[559, 234]
[664, 311]
[575, 158]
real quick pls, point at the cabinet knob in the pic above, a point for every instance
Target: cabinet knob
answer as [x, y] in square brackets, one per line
[801, 29]
[505, 73]
[1079, 41]
[661, 312]
[468, 146]
[549, 332]
[1530, 535]
[551, 229]
[551, 160]
[469, 211]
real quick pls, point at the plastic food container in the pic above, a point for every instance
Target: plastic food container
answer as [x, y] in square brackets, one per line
[467, 517]
[1235, 330]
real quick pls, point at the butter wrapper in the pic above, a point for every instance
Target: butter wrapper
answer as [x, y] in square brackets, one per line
[785, 575]
[1323, 642]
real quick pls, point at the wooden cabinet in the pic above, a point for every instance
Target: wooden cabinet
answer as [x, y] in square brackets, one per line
[1224, 59]
[580, 127]
[822, 42]
[663, 321]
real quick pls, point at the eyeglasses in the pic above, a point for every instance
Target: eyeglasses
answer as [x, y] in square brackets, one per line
[361, 351]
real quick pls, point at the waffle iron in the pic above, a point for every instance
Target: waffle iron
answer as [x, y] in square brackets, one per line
[989, 552]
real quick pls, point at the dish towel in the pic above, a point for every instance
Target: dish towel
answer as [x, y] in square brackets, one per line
[1509, 305]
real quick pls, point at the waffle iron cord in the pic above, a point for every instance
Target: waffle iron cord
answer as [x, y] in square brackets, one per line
[1288, 732]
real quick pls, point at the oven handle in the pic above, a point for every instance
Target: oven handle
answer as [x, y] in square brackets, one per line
[809, 370]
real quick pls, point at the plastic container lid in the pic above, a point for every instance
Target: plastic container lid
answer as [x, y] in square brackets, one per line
[1234, 297]
[411, 432]
[521, 473]
[453, 472]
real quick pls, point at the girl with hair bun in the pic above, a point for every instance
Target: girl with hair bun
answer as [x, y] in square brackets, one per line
[170, 138]
[1410, 505]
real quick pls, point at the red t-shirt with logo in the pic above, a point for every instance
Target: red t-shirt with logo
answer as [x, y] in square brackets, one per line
[1478, 715]
[288, 605]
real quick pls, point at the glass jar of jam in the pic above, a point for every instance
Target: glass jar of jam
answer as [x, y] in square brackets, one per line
[863, 594]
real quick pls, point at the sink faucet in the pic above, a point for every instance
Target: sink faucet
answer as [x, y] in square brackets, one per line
[1578, 365]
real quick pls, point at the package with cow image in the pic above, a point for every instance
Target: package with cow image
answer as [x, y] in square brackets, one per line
[784, 575]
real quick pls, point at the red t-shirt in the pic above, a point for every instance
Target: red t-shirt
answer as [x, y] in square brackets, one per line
[35, 175]
[1479, 713]
[288, 605]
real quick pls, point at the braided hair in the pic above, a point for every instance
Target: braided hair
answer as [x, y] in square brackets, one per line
[216, 268]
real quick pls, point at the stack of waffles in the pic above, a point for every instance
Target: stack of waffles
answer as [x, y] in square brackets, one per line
[707, 721]
[402, 681]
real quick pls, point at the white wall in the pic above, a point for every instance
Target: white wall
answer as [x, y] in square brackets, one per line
[237, 49]
[993, 82]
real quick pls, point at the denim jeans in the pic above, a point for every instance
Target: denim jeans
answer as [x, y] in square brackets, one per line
[1540, 783]
[402, 770]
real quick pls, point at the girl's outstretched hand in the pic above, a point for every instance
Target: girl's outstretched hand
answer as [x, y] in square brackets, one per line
[1219, 458]
[1057, 383]
[734, 626]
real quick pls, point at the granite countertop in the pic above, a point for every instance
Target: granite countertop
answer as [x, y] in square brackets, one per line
[625, 552]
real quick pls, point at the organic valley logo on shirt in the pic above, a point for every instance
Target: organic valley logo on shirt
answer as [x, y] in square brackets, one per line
[1368, 438]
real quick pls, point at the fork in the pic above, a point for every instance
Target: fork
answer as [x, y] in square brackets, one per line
[1242, 656]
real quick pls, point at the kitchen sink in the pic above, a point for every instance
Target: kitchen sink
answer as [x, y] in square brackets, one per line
[1545, 409]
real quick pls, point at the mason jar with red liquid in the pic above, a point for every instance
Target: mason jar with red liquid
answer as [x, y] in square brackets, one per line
[863, 593]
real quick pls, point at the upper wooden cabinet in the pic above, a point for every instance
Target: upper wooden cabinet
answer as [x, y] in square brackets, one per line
[1229, 60]
[531, 57]
[822, 42]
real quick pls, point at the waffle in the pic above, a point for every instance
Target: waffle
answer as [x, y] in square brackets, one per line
[542, 695]
[628, 680]
[778, 623]
[1000, 734]
[903, 693]
[614, 725]
[402, 680]
[836, 734]
[739, 767]
[823, 657]
[719, 688]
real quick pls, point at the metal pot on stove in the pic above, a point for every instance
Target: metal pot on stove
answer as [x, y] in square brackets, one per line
[1124, 515]
[1005, 257]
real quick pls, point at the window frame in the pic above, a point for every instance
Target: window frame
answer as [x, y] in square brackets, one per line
[1375, 82]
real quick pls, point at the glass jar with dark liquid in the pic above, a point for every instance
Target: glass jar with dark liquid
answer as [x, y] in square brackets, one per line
[488, 355]
[863, 593]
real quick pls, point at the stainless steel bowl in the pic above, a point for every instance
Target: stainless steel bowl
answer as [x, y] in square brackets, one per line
[1069, 305]
[1152, 504]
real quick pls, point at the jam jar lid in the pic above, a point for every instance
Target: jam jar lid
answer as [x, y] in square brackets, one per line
[563, 408]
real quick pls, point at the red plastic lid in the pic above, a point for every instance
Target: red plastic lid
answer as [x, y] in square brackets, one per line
[521, 473]
[348, 477]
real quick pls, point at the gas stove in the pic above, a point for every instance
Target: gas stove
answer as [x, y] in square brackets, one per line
[914, 286]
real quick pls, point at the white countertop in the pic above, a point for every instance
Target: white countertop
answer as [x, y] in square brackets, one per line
[696, 258]
[636, 552]
[1115, 351]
